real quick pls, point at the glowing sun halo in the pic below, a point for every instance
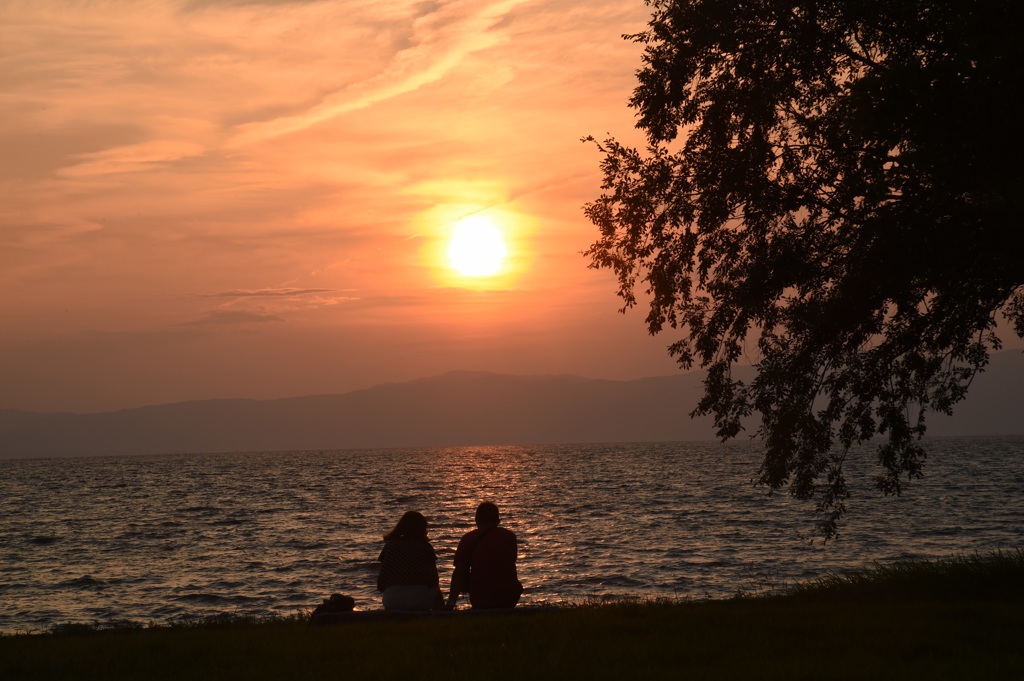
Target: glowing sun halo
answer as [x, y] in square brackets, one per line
[477, 248]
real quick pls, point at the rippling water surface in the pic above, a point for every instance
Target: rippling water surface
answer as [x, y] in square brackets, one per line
[153, 539]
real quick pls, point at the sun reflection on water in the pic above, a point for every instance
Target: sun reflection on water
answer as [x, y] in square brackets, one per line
[159, 538]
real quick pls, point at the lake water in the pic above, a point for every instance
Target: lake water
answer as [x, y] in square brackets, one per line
[158, 538]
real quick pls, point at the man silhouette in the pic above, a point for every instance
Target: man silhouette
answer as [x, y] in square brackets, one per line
[485, 564]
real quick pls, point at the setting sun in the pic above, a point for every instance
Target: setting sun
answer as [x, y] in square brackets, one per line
[477, 247]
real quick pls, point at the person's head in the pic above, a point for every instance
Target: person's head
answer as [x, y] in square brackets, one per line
[412, 526]
[487, 514]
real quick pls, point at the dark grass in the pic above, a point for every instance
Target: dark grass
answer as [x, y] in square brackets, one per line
[995, 576]
[961, 618]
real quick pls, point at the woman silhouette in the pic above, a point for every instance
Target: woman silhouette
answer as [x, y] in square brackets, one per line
[408, 567]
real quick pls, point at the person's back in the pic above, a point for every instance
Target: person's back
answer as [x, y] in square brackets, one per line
[485, 564]
[408, 567]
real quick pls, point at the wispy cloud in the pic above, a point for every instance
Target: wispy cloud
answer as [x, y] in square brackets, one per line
[270, 293]
[439, 40]
[133, 158]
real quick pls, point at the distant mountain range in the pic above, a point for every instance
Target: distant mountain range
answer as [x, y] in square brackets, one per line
[458, 408]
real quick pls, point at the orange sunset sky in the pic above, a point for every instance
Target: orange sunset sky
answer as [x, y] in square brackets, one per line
[230, 198]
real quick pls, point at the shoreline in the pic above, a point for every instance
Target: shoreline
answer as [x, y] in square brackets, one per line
[952, 619]
[971, 578]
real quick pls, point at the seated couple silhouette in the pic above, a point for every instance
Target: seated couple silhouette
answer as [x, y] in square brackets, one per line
[485, 566]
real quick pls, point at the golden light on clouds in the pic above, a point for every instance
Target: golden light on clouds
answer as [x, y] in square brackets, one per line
[477, 247]
[227, 198]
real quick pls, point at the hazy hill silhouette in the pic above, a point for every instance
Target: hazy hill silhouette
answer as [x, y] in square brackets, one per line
[459, 408]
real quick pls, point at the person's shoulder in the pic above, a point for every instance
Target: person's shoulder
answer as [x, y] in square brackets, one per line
[468, 539]
[505, 531]
[472, 534]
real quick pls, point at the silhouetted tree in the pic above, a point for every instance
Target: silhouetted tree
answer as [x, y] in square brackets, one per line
[832, 189]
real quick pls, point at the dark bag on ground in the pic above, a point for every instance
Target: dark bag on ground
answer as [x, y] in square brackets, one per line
[336, 603]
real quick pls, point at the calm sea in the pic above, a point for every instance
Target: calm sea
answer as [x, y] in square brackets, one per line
[158, 538]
